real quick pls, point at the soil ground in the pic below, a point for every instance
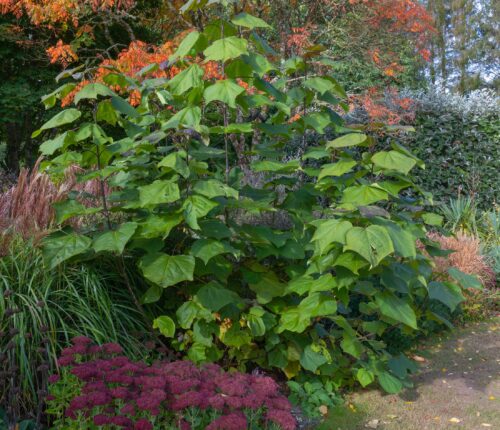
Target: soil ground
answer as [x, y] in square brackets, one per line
[458, 387]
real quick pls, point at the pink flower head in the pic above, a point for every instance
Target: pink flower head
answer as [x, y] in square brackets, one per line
[101, 420]
[283, 418]
[143, 424]
[233, 421]
[54, 378]
[112, 348]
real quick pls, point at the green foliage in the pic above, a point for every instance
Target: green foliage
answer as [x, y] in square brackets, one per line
[70, 301]
[301, 273]
[313, 394]
[461, 155]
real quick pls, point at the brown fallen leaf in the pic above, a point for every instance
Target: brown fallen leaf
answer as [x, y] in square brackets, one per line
[373, 424]
[418, 358]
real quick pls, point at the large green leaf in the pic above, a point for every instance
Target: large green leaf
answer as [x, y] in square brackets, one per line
[61, 247]
[276, 166]
[328, 232]
[226, 49]
[62, 118]
[389, 383]
[195, 207]
[188, 117]
[93, 91]
[447, 293]
[337, 169]
[189, 311]
[398, 309]
[158, 226]
[373, 243]
[187, 79]
[364, 377]
[167, 270]
[312, 358]
[124, 107]
[318, 305]
[214, 297]
[225, 91]
[166, 325]
[50, 146]
[293, 320]
[213, 188]
[403, 240]
[185, 46]
[393, 160]
[159, 192]
[308, 284]
[176, 161]
[464, 279]
[115, 240]
[249, 21]
[206, 249]
[67, 209]
[363, 195]
[347, 140]
[350, 344]
[321, 85]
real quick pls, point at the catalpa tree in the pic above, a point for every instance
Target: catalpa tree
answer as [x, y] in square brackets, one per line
[304, 265]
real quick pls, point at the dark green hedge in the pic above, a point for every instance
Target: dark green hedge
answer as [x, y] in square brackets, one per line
[461, 155]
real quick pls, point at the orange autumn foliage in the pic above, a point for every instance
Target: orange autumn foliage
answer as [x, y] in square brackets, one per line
[61, 53]
[388, 108]
[139, 55]
[52, 12]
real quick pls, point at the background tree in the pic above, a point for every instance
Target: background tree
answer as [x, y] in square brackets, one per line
[465, 51]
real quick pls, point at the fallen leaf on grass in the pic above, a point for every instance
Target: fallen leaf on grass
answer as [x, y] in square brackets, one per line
[455, 420]
[392, 417]
[418, 358]
[373, 424]
[491, 398]
[323, 410]
[486, 425]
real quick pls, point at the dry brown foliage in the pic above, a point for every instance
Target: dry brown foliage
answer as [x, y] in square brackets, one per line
[467, 257]
[26, 208]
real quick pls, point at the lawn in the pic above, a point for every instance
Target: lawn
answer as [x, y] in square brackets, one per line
[458, 387]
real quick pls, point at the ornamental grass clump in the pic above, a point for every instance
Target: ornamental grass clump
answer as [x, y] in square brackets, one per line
[102, 387]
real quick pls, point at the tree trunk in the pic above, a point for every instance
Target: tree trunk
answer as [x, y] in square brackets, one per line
[14, 141]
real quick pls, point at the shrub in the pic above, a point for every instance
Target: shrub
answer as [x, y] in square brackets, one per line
[42, 309]
[301, 271]
[107, 390]
[466, 256]
[457, 137]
